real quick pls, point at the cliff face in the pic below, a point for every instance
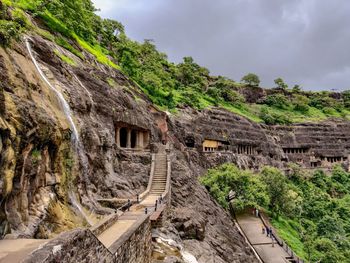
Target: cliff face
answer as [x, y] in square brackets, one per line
[252, 145]
[39, 165]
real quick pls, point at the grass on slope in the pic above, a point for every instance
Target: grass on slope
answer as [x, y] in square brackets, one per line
[288, 230]
[64, 58]
[55, 25]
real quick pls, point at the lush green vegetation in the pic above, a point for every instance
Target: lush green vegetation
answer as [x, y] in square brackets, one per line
[64, 58]
[311, 211]
[74, 26]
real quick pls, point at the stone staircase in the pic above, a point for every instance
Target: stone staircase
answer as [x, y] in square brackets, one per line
[160, 175]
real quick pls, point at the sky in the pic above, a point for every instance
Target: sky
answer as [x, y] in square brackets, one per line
[305, 42]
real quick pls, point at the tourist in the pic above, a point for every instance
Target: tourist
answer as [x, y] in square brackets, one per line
[270, 230]
[257, 212]
[263, 229]
[267, 231]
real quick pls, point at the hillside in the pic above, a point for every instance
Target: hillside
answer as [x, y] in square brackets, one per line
[169, 85]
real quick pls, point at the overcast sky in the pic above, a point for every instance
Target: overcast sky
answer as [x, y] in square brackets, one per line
[305, 42]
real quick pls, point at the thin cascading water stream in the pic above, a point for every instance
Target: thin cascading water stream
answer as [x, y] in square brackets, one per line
[75, 139]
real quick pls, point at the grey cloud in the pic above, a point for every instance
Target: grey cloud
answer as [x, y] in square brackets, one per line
[303, 41]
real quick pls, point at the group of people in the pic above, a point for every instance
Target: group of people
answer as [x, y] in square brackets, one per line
[269, 233]
[264, 229]
[267, 230]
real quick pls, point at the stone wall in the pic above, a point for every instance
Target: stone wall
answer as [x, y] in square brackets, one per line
[79, 245]
[135, 246]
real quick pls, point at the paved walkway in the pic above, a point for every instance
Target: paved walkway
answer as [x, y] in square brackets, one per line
[252, 228]
[14, 251]
[129, 218]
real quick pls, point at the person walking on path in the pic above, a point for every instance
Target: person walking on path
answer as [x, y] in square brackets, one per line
[267, 231]
[256, 212]
[270, 231]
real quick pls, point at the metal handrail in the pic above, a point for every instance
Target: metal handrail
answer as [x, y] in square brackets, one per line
[281, 243]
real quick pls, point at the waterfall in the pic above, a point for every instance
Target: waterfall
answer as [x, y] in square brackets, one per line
[75, 139]
[86, 90]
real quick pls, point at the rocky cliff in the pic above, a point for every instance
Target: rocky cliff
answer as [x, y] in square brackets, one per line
[38, 163]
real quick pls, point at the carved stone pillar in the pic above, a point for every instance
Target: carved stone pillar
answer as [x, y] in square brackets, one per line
[128, 139]
[140, 139]
[117, 136]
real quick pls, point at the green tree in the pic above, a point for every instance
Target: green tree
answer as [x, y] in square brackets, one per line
[190, 74]
[281, 84]
[296, 89]
[251, 79]
[277, 188]
[248, 189]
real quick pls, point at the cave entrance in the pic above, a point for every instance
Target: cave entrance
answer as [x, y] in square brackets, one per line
[189, 142]
[133, 138]
[123, 137]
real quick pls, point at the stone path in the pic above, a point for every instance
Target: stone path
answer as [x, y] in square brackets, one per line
[129, 218]
[14, 251]
[252, 228]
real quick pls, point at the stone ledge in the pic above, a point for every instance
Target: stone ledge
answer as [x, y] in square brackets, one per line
[79, 245]
[104, 224]
[124, 238]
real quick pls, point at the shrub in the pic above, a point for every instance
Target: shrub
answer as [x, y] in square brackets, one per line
[20, 17]
[232, 96]
[278, 101]
[321, 100]
[9, 30]
[214, 93]
[301, 103]
[274, 118]
[329, 110]
[190, 98]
